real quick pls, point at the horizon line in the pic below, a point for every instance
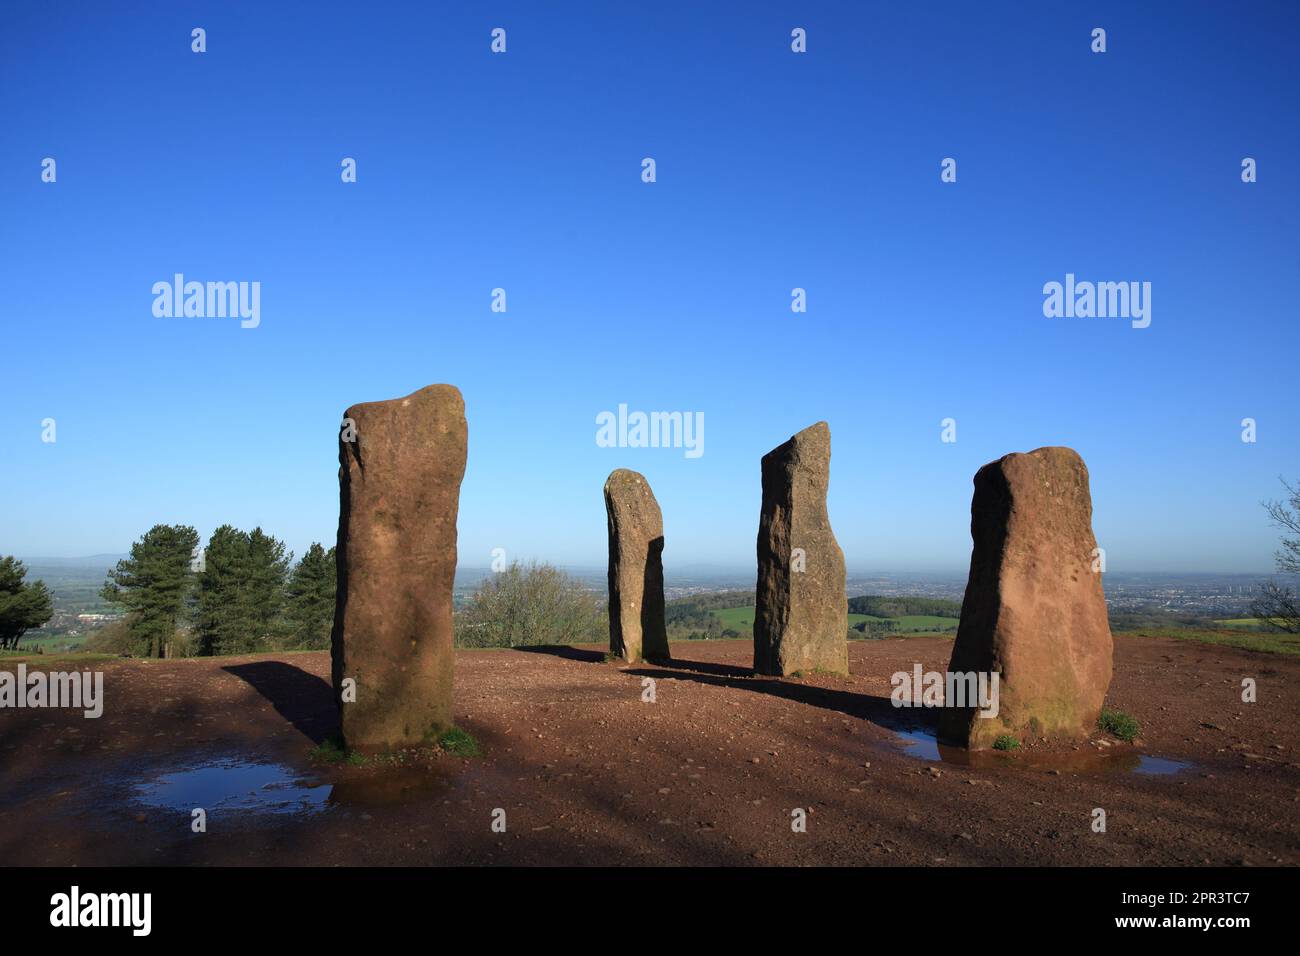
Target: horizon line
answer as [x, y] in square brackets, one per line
[718, 567]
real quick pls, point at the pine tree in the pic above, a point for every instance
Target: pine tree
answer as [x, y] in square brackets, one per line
[310, 606]
[241, 592]
[268, 572]
[153, 585]
[222, 613]
[23, 607]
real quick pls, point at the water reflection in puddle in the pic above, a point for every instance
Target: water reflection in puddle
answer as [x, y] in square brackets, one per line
[274, 788]
[923, 745]
[235, 785]
[1160, 766]
[388, 787]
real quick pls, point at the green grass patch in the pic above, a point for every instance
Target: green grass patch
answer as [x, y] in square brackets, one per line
[1118, 724]
[51, 644]
[1270, 642]
[736, 618]
[928, 623]
[8, 658]
[1006, 742]
[330, 750]
[1250, 623]
[458, 743]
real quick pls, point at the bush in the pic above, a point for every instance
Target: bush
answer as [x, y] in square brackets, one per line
[118, 638]
[110, 639]
[539, 604]
[1006, 742]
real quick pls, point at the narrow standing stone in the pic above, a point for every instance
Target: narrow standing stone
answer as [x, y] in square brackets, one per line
[1034, 610]
[801, 620]
[636, 571]
[399, 491]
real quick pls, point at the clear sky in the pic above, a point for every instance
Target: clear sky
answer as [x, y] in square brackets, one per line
[775, 170]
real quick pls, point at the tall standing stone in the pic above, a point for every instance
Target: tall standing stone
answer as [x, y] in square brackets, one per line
[1034, 610]
[801, 620]
[636, 570]
[401, 464]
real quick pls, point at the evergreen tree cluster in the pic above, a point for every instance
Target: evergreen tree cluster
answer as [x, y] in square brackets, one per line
[24, 606]
[243, 593]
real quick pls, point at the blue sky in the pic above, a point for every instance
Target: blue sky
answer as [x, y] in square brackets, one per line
[775, 170]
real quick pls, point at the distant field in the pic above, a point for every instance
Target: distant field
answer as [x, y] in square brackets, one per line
[52, 643]
[1274, 642]
[736, 618]
[742, 619]
[922, 622]
[1245, 623]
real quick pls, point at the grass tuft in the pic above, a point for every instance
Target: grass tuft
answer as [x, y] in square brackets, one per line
[330, 750]
[458, 743]
[1006, 742]
[1118, 724]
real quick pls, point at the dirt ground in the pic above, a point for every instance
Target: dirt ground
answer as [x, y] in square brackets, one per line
[587, 772]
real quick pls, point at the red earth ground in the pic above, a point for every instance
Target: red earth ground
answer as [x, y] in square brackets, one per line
[587, 772]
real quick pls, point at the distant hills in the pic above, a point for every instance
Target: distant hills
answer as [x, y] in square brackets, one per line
[89, 561]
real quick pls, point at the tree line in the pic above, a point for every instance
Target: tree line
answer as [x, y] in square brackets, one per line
[242, 593]
[24, 605]
[896, 606]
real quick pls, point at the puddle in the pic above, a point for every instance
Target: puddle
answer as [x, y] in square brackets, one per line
[1160, 766]
[388, 787]
[923, 745]
[235, 785]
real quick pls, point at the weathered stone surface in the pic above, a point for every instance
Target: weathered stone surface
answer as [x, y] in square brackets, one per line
[636, 571]
[801, 621]
[399, 491]
[1034, 609]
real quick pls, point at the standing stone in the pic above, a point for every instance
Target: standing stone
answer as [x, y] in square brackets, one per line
[399, 491]
[1034, 609]
[636, 570]
[801, 621]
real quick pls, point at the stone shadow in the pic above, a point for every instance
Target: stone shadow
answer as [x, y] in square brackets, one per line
[303, 699]
[733, 671]
[566, 651]
[877, 710]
